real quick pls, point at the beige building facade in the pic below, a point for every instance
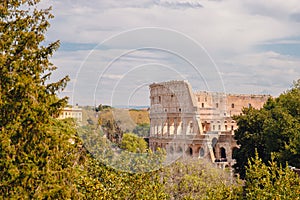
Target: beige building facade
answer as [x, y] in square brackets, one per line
[71, 112]
[197, 124]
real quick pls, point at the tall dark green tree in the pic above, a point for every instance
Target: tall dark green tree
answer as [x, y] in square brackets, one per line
[37, 159]
[273, 129]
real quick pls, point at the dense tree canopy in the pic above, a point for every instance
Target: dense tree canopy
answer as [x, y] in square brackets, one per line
[273, 129]
[133, 143]
[37, 159]
[196, 179]
[44, 158]
[270, 181]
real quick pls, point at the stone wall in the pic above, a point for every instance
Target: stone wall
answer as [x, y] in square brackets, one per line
[197, 124]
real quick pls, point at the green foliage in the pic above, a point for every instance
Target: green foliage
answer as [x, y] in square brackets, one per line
[43, 158]
[270, 181]
[102, 108]
[133, 143]
[41, 164]
[39, 155]
[133, 157]
[123, 185]
[197, 179]
[111, 174]
[273, 129]
[142, 130]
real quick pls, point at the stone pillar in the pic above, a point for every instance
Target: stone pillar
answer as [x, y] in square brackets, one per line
[184, 127]
[159, 129]
[152, 130]
[168, 124]
[187, 128]
[162, 128]
[217, 152]
[171, 128]
[165, 128]
[179, 128]
[175, 126]
[229, 153]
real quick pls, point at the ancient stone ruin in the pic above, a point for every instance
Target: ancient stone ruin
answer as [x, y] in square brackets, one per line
[196, 124]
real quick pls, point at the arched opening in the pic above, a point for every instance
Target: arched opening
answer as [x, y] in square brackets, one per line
[201, 152]
[214, 150]
[190, 151]
[171, 150]
[214, 142]
[234, 152]
[223, 153]
[179, 149]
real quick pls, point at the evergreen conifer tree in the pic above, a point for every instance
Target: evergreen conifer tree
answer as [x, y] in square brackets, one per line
[36, 158]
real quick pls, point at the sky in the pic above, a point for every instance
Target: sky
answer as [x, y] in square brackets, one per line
[113, 49]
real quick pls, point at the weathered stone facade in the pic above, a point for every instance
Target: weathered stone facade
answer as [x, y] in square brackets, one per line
[196, 124]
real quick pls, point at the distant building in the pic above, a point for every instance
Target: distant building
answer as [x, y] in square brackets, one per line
[73, 112]
[197, 124]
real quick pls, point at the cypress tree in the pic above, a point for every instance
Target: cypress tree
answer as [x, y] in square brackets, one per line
[36, 158]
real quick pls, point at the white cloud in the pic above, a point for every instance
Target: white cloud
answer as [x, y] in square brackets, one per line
[220, 25]
[230, 30]
[112, 76]
[266, 72]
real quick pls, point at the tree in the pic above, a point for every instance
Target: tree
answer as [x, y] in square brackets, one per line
[142, 130]
[270, 181]
[197, 179]
[104, 182]
[38, 154]
[111, 174]
[133, 143]
[273, 129]
[248, 135]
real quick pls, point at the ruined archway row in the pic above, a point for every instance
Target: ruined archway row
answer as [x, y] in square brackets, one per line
[181, 118]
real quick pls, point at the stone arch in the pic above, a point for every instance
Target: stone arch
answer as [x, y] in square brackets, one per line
[234, 152]
[179, 149]
[189, 151]
[201, 152]
[171, 150]
[214, 141]
[223, 153]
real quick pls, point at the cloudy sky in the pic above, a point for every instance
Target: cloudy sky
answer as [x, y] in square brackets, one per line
[113, 49]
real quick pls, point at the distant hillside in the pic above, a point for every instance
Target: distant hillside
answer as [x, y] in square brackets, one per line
[128, 119]
[132, 107]
[140, 116]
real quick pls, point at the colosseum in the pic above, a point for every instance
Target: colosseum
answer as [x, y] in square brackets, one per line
[196, 124]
